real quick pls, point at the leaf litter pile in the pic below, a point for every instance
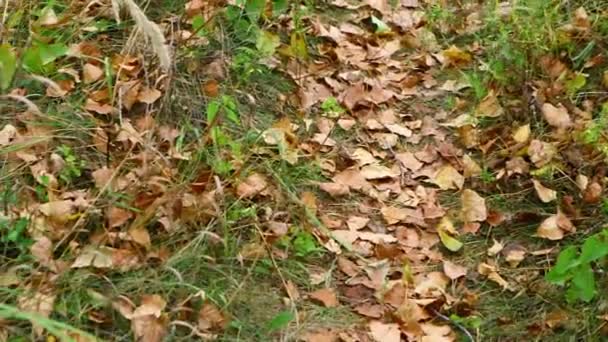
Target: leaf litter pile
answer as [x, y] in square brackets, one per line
[447, 176]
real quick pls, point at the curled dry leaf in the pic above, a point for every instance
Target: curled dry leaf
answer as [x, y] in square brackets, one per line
[210, 318]
[118, 216]
[447, 177]
[514, 254]
[98, 257]
[553, 227]
[91, 73]
[593, 193]
[326, 296]
[490, 106]
[545, 194]
[7, 134]
[59, 211]
[492, 273]
[471, 168]
[453, 271]
[147, 321]
[495, 249]
[473, 207]
[556, 116]
[253, 185]
[522, 134]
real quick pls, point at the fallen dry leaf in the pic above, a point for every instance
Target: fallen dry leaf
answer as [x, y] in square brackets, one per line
[522, 134]
[118, 216]
[495, 249]
[545, 194]
[371, 172]
[325, 296]
[553, 227]
[447, 177]
[252, 186]
[492, 274]
[91, 73]
[210, 318]
[357, 222]
[335, 189]
[148, 95]
[384, 332]
[7, 134]
[473, 207]
[556, 116]
[453, 271]
[514, 254]
[40, 302]
[147, 321]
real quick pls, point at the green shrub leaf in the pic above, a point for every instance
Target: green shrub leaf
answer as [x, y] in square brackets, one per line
[8, 66]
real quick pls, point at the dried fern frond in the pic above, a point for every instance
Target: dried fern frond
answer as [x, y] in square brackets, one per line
[149, 28]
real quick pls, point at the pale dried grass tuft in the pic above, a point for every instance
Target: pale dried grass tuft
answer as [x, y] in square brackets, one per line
[149, 28]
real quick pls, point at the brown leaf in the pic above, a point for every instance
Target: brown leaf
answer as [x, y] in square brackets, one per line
[545, 194]
[210, 318]
[492, 274]
[118, 216]
[409, 161]
[553, 227]
[357, 222]
[348, 267]
[447, 177]
[94, 106]
[148, 95]
[541, 153]
[211, 88]
[514, 254]
[384, 332]
[42, 251]
[371, 172]
[97, 257]
[335, 189]
[490, 106]
[325, 335]
[91, 73]
[370, 310]
[147, 321]
[471, 168]
[140, 235]
[473, 207]
[325, 296]
[453, 271]
[310, 201]
[59, 211]
[252, 186]
[40, 302]
[593, 193]
[556, 116]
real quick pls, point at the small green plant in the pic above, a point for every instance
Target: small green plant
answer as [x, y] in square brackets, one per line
[15, 232]
[486, 175]
[331, 107]
[73, 166]
[574, 267]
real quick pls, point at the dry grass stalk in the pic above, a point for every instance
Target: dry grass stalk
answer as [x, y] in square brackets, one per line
[149, 28]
